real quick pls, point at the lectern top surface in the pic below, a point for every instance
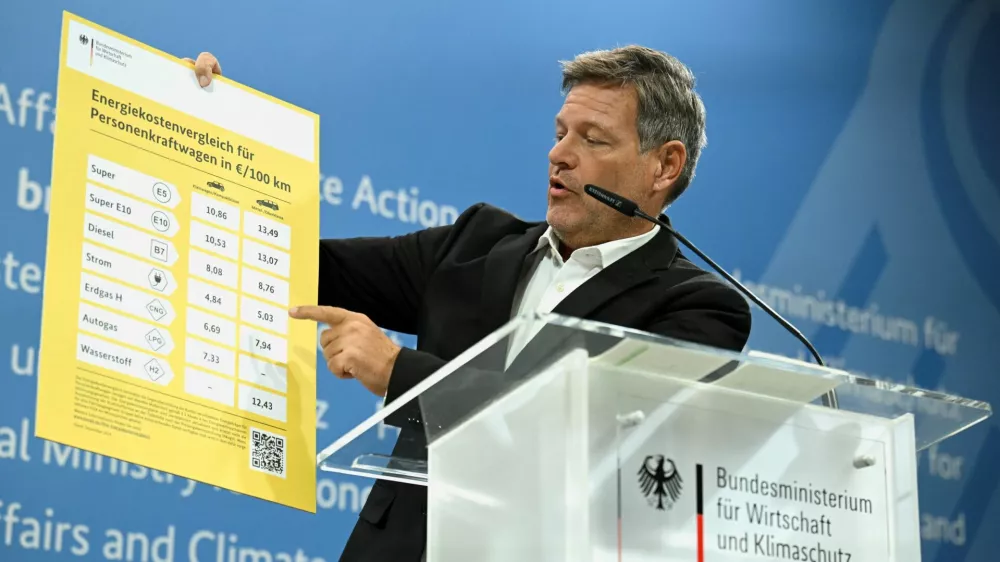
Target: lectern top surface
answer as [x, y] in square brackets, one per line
[392, 443]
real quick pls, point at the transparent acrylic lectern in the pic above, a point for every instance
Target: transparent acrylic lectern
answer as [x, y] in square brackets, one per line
[561, 439]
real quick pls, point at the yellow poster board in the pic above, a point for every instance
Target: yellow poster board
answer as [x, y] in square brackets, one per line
[184, 224]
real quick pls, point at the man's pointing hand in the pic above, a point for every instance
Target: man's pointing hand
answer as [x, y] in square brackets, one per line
[354, 347]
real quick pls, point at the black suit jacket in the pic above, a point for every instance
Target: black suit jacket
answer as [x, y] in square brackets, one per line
[454, 285]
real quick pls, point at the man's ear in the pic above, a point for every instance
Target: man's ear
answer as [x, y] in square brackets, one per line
[670, 160]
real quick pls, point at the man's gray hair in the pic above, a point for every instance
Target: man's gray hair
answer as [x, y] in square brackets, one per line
[669, 109]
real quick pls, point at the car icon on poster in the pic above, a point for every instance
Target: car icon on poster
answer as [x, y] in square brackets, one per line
[268, 203]
[216, 185]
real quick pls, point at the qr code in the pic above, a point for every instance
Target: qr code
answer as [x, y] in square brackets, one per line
[267, 452]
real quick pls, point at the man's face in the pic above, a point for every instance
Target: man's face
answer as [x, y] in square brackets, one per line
[596, 142]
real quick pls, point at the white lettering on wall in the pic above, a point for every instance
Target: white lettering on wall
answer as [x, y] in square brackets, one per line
[943, 465]
[207, 545]
[14, 441]
[19, 276]
[403, 204]
[65, 456]
[27, 529]
[340, 496]
[121, 545]
[31, 195]
[22, 363]
[941, 529]
[868, 320]
[331, 188]
[321, 407]
[27, 108]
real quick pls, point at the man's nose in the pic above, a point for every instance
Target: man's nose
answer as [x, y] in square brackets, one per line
[561, 155]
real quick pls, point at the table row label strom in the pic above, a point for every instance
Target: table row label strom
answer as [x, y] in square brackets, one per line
[127, 269]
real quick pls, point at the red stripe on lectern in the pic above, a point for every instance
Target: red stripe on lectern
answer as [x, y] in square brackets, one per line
[701, 515]
[701, 538]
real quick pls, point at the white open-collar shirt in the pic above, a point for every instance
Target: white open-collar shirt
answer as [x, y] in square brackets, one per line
[549, 279]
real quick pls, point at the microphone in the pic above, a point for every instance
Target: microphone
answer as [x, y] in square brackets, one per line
[631, 209]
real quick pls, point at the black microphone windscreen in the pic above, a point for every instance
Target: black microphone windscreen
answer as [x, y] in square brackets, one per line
[613, 200]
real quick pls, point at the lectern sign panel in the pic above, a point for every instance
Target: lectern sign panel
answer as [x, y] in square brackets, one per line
[814, 492]
[649, 451]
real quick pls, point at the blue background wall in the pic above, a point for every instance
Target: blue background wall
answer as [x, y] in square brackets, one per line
[852, 158]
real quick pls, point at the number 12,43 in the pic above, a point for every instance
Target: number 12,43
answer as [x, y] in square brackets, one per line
[266, 404]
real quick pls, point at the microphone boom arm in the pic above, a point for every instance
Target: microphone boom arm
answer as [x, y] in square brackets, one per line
[630, 208]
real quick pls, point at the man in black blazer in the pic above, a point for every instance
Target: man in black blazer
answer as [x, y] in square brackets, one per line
[631, 123]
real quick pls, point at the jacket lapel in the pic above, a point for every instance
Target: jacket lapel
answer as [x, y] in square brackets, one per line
[635, 269]
[502, 273]
[504, 263]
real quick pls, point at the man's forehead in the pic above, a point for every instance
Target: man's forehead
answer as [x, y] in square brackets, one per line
[603, 107]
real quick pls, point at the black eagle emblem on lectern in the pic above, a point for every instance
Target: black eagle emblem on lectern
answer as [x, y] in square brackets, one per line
[660, 480]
